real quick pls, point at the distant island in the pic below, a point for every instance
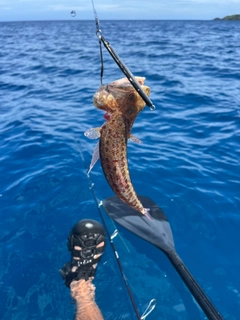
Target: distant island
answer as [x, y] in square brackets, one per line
[233, 17]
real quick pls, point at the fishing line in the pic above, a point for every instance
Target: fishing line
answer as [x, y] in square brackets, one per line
[152, 303]
[99, 35]
[111, 241]
[119, 62]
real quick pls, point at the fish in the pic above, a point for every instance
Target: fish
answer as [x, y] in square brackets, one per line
[122, 105]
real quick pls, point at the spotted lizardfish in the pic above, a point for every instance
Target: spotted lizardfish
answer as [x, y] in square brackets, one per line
[122, 105]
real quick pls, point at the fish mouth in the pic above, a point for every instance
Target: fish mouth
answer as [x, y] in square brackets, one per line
[112, 96]
[101, 97]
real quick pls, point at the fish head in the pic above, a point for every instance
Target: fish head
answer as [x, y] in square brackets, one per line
[122, 97]
[104, 99]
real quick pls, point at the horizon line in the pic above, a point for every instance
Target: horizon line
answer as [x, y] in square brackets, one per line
[77, 20]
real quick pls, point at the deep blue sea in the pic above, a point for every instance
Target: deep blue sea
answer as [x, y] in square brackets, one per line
[188, 163]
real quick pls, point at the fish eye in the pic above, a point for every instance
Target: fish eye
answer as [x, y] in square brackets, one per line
[131, 96]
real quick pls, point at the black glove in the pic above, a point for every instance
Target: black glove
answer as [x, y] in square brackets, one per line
[82, 272]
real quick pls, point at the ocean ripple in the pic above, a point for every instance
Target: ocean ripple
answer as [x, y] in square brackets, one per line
[188, 162]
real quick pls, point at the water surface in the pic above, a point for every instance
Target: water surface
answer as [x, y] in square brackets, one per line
[188, 163]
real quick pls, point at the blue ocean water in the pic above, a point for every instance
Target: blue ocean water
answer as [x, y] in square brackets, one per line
[188, 163]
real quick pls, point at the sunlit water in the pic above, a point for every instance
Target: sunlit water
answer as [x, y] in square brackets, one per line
[188, 163]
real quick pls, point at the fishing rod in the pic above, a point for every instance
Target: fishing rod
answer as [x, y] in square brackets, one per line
[152, 303]
[119, 62]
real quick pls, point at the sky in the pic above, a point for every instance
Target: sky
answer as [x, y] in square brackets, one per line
[23, 10]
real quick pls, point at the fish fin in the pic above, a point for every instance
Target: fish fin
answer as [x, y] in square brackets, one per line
[92, 133]
[95, 157]
[134, 139]
[147, 213]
